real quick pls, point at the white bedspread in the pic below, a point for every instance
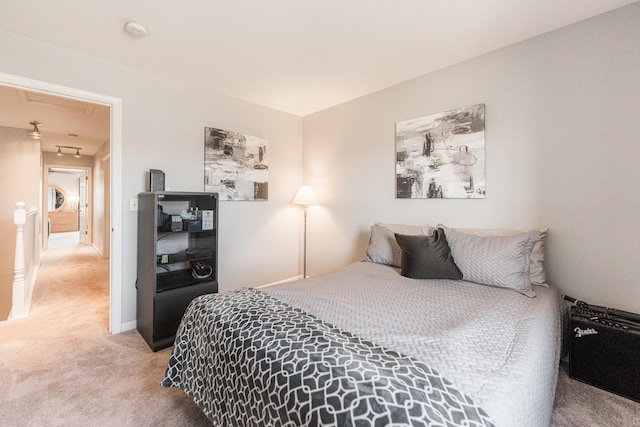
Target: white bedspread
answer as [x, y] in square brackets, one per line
[497, 346]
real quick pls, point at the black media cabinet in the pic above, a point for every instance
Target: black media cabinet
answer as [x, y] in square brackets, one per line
[177, 259]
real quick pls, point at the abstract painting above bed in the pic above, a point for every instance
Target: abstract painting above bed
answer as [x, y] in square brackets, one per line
[441, 156]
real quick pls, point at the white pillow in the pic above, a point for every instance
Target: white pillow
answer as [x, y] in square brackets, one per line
[500, 261]
[383, 247]
[537, 269]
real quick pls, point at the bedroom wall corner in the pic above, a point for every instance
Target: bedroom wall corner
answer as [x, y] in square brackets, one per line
[561, 149]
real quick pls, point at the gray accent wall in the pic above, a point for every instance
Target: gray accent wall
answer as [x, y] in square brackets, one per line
[562, 150]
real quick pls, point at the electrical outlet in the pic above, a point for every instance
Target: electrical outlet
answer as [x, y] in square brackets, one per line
[133, 205]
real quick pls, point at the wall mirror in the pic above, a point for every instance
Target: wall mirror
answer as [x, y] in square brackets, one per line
[57, 198]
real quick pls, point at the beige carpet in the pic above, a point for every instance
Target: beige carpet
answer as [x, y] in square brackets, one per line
[61, 367]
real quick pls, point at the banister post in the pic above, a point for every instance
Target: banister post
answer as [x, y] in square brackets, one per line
[19, 219]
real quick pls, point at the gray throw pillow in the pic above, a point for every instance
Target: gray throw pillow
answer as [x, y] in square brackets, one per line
[538, 271]
[501, 261]
[383, 248]
[427, 257]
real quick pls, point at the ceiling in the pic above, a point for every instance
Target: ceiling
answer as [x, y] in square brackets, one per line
[296, 56]
[59, 117]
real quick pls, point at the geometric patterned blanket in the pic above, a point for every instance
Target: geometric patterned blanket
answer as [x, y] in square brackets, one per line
[249, 359]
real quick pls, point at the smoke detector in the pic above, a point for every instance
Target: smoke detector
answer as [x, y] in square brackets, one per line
[135, 29]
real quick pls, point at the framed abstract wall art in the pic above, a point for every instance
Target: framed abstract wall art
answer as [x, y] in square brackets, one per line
[235, 165]
[441, 155]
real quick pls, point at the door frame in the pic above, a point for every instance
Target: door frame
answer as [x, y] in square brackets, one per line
[115, 205]
[89, 190]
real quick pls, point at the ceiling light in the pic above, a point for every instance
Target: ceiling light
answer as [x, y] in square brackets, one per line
[135, 29]
[35, 133]
[60, 153]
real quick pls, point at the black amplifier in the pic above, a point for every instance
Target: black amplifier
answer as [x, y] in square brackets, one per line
[604, 349]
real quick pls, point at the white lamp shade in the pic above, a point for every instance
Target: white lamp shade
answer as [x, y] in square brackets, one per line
[305, 196]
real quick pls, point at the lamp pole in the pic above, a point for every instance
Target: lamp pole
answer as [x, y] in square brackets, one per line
[304, 261]
[305, 197]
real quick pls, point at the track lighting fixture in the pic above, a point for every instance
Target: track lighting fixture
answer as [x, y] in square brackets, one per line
[60, 153]
[35, 133]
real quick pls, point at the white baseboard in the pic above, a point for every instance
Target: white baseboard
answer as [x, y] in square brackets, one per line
[291, 279]
[128, 326]
[98, 250]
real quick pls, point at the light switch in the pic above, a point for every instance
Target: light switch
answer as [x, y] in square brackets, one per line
[133, 205]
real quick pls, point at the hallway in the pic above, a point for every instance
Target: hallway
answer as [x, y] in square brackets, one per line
[61, 366]
[71, 289]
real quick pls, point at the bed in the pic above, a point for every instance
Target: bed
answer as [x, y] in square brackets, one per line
[367, 345]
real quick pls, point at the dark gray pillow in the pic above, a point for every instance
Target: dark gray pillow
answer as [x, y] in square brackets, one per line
[427, 257]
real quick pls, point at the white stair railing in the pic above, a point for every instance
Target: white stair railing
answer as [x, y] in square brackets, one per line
[27, 260]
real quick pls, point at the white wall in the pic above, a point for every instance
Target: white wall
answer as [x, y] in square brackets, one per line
[163, 128]
[19, 163]
[101, 194]
[562, 149]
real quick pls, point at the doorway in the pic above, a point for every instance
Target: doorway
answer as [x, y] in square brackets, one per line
[68, 201]
[114, 175]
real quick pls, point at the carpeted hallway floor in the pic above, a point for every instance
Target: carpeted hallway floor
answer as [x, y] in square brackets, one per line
[61, 367]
